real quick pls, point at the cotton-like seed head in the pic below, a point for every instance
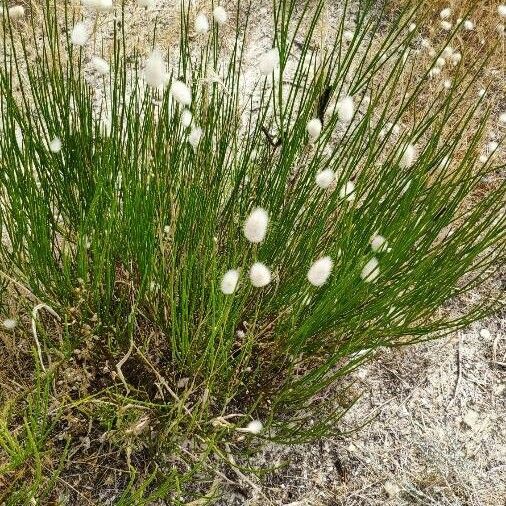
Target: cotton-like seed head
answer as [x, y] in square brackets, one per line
[371, 270]
[320, 271]
[9, 323]
[502, 118]
[181, 93]
[220, 15]
[146, 3]
[229, 282]
[378, 243]
[440, 62]
[16, 12]
[260, 275]
[255, 226]
[500, 28]
[483, 158]
[408, 157]
[201, 23]
[268, 62]
[492, 146]
[447, 52]
[346, 109]
[99, 5]
[195, 136]
[482, 93]
[501, 10]
[314, 128]
[154, 70]
[348, 35]
[412, 27]
[186, 118]
[445, 13]
[456, 57]
[434, 72]
[468, 24]
[55, 145]
[446, 25]
[347, 191]
[100, 65]
[254, 427]
[80, 34]
[325, 178]
[447, 84]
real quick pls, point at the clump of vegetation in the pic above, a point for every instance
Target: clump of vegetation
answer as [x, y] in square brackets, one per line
[198, 253]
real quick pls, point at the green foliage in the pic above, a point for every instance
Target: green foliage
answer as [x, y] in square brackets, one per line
[127, 231]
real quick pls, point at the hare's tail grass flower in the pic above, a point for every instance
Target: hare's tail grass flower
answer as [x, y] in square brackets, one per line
[229, 282]
[501, 10]
[15, 12]
[220, 15]
[346, 109]
[154, 70]
[319, 272]
[325, 178]
[260, 275]
[268, 62]
[55, 145]
[195, 136]
[201, 23]
[186, 118]
[370, 270]
[181, 93]
[255, 226]
[80, 34]
[100, 65]
[9, 323]
[314, 128]
[379, 243]
[254, 427]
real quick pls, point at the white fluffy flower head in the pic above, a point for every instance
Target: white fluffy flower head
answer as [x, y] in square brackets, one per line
[314, 128]
[100, 65]
[378, 243]
[325, 178]
[99, 5]
[201, 23]
[346, 109]
[55, 145]
[186, 118]
[409, 156]
[254, 427]
[268, 62]
[146, 3]
[320, 271]
[445, 13]
[255, 227]
[181, 93]
[220, 15]
[195, 136]
[501, 10]
[16, 12]
[259, 275]
[154, 70]
[80, 34]
[446, 25]
[468, 24]
[229, 282]
[9, 323]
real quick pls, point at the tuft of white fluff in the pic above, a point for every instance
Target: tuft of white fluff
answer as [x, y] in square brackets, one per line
[195, 136]
[446, 25]
[502, 118]
[447, 52]
[255, 226]
[9, 323]
[314, 128]
[492, 146]
[468, 24]
[99, 5]
[186, 118]
[154, 70]
[408, 157]
[348, 35]
[254, 427]
[325, 178]
[346, 109]
[55, 145]
[220, 15]
[146, 3]
[201, 23]
[379, 243]
[456, 57]
[100, 65]
[445, 13]
[260, 275]
[412, 27]
[16, 12]
[229, 281]
[348, 191]
[80, 34]
[371, 270]
[320, 271]
[268, 62]
[181, 93]
[501, 10]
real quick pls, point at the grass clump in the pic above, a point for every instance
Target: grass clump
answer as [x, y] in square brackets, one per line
[200, 257]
